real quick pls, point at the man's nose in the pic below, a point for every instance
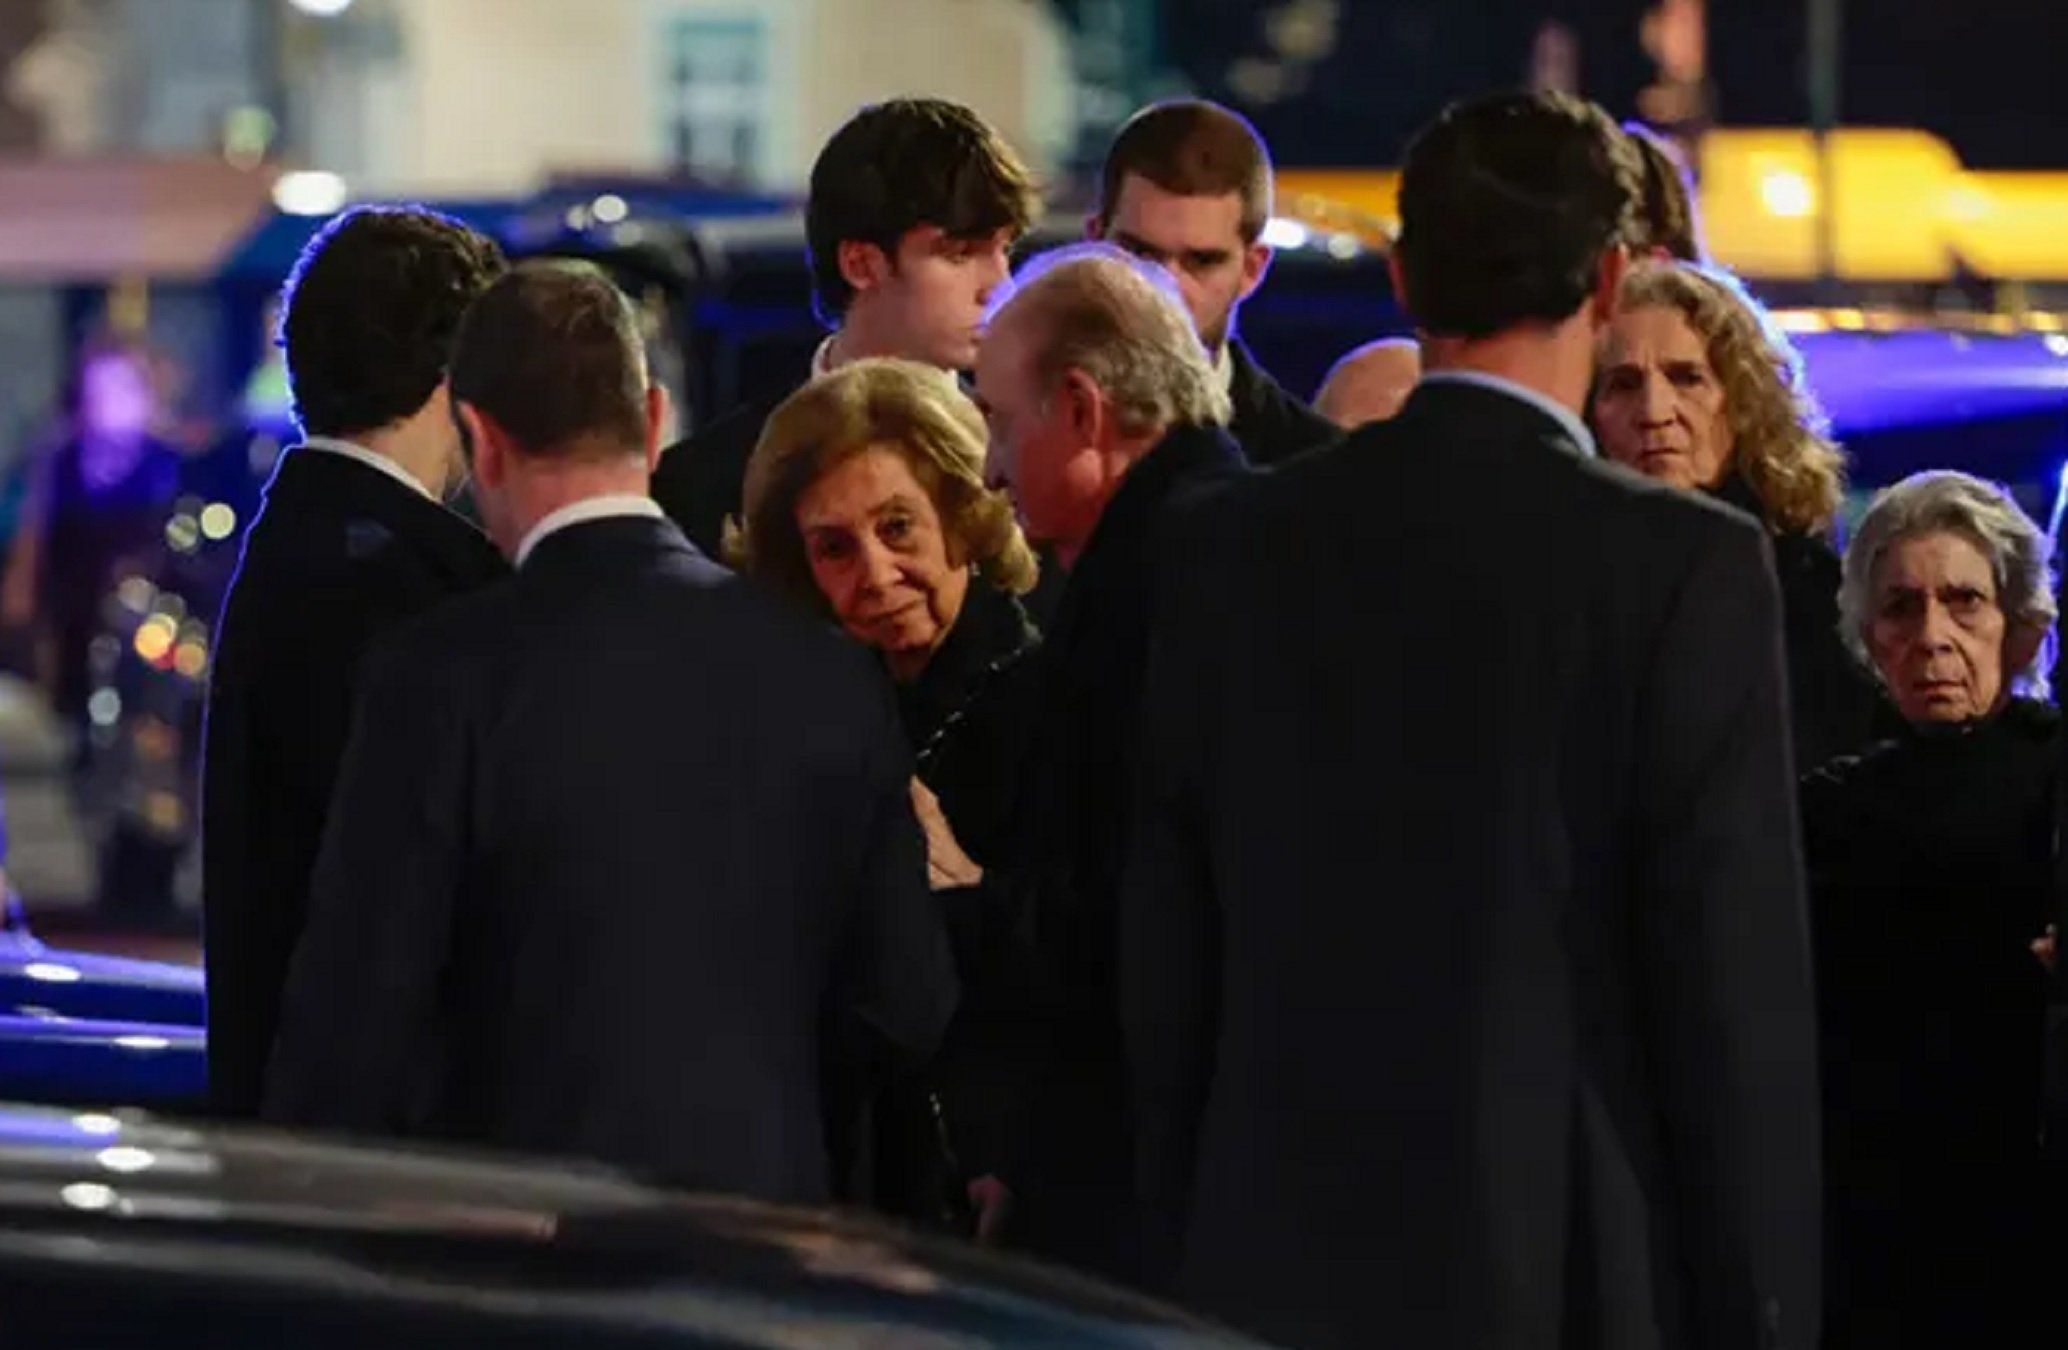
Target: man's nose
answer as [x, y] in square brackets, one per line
[1935, 631]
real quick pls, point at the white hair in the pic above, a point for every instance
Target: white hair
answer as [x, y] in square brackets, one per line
[1945, 502]
[1122, 321]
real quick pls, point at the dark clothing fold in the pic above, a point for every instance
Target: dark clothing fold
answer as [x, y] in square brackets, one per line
[1270, 425]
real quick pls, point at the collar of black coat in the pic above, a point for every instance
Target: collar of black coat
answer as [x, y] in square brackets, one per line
[605, 545]
[991, 631]
[323, 486]
[1186, 455]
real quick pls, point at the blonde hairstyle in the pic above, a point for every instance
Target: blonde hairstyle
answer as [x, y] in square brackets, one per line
[1783, 448]
[917, 412]
[1123, 322]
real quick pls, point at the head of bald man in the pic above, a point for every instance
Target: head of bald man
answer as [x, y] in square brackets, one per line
[1370, 383]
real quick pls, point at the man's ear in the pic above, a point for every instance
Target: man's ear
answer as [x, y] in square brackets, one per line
[864, 266]
[1397, 274]
[486, 447]
[1256, 262]
[656, 418]
[1084, 405]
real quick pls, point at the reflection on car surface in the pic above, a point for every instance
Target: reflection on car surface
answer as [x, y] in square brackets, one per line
[111, 1224]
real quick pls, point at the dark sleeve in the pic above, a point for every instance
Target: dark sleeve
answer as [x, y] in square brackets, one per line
[700, 482]
[1724, 961]
[895, 977]
[1831, 697]
[359, 1024]
[1169, 924]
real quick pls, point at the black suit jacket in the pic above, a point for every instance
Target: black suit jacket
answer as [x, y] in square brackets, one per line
[1269, 424]
[1464, 961]
[339, 554]
[610, 841]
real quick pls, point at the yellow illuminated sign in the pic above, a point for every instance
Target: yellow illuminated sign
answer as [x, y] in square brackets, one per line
[1907, 210]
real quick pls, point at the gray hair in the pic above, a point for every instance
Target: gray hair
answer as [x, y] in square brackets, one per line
[1947, 502]
[1122, 321]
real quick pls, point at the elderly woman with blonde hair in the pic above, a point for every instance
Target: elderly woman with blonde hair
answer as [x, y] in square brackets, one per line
[1932, 865]
[1697, 389]
[866, 502]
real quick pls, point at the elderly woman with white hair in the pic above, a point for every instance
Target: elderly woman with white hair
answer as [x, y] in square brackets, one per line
[1931, 864]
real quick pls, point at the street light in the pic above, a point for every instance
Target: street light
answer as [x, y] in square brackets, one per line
[322, 9]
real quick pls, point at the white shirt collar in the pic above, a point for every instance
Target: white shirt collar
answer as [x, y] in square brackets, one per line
[1550, 407]
[331, 446]
[605, 507]
[822, 356]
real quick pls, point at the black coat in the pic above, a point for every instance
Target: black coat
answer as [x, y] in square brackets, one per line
[1832, 703]
[609, 841]
[1077, 704]
[339, 555]
[1269, 424]
[1464, 965]
[1931, 863]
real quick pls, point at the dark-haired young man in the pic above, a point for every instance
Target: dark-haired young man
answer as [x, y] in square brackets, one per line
[1463, 949]
[915, 206]
[353, 538]
[1187, 184]
[615, 838]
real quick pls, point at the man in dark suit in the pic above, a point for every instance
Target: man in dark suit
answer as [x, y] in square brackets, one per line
[620, 843]
[351, 541]
[1187, 184]
[914, 207]
[1464, 961]
[1104, 410]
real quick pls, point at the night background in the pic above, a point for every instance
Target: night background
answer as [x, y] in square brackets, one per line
[1982, 73]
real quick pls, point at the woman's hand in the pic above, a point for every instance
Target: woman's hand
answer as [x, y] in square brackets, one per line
[2043, 948]
[947, 865]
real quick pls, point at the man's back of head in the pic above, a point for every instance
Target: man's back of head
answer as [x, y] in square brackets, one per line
[549, 384]
[1508, 207]
[913, 205]
[370, 313]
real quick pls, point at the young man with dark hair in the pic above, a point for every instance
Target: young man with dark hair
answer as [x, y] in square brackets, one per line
[1188, 184]
[1463, 952]
[915, 206]
[617, 839]
[353, 539]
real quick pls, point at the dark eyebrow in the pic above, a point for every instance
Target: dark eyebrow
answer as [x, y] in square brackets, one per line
[1134, 243]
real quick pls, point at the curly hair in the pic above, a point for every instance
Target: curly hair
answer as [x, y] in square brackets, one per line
[371, 311]
[1783, 447]
[912, 409]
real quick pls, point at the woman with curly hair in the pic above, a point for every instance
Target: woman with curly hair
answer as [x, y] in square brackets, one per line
[1697, 389]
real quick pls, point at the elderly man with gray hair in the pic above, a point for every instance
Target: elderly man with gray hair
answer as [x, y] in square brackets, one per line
[1932, 863]
[1104, 412]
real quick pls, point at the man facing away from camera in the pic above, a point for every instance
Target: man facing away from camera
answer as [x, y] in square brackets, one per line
[1463, 956]
[621, 845]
